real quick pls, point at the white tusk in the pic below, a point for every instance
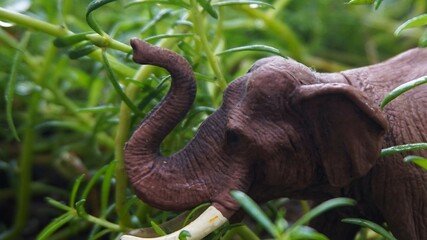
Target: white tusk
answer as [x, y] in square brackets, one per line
[210, 220]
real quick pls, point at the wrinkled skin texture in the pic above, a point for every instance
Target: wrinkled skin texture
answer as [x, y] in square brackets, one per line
[284, 130]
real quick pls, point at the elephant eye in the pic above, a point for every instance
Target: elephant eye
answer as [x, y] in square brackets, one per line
[232, 137]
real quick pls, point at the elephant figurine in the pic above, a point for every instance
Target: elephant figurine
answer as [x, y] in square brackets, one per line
[284, 130]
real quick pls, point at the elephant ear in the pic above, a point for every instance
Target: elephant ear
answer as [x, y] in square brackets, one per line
[346, 126]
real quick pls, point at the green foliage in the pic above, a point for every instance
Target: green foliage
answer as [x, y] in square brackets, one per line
[72, 95]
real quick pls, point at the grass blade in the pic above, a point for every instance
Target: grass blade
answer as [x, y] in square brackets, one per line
[75, 189]
[420, 161]
[402, 89]
[403, 148]
[413, 22]
[255, 211]
[157, 229]
[55, 225]
[360, 2]
[257, 48]
[95, 4]
[371, 225]
[238, 2]
[11, 85]
[117, 87]
[206, 4]
[323, 207]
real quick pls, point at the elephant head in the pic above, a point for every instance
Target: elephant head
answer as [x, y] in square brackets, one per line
[282, 130]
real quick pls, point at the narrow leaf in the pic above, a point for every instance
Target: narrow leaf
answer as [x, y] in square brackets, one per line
[238, 2]
[255, 211]
[161, 36]
[117, 87]
[70, 40]
[98, 109]
[58, 204]
[323, 207]
[80, 207]
[165, 2]
[377, 4]
[360, 2]
[106, 184]
[192, 212]
[157, 229]
[93, 180]
[423, 40]
[371, 225]
[206, 4]
[403, 148]
[81, 51]
[413, 22]
[402, 89]
[11, 84]
[420, 161]
[54, 225]
[75, 189]
[258, 48]
[95, 4]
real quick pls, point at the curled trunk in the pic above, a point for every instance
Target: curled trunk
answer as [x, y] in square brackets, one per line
[165, 182]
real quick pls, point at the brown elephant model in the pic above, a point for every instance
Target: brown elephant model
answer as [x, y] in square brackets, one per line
[284, 130]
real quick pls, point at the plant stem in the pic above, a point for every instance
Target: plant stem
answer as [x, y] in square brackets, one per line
[122, 135]
[33, 23]
[200, 31]
[278, 28]
[242, 231]
[26, 158]
[60, 31]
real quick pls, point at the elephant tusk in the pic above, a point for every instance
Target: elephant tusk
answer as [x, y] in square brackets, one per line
[210, 220]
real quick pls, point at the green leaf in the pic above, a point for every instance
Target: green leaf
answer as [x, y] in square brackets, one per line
[321, 208]
[75, 189]
[117, 87]
[81, 51]
[11, 84]
[58, 204]
[161, 36]
[157, 229]
[192, 212]
[55, 225]
[70, 40]
[238, 2]
[402, 89]
[360, 2]
[206, 4]
[371, 225]
[106, 184]
[257, 48]
[306, 233]
[255, 211]
[98, 109]
[95, 4]
[184, 234]
[377, 4]
[420, 161]
[178, 3]
[403, 148]
[93, 180]
[80, 207]
[413, 22]
[423, 40]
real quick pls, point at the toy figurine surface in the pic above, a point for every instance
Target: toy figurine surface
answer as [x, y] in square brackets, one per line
[284, 130]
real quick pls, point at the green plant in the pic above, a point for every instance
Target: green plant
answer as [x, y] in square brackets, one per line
[72, 95]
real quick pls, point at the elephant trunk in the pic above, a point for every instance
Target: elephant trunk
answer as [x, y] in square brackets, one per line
[165, 182]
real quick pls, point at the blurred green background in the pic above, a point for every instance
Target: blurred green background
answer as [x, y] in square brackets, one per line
[62, 113]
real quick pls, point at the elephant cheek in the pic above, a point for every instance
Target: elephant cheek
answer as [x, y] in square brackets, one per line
[239, 177]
